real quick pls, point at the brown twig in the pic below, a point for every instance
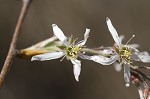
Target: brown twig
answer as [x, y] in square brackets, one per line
[11, 52]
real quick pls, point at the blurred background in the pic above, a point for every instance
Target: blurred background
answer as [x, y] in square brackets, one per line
[55, 79]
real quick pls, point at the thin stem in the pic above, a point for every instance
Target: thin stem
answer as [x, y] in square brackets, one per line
[144, 67]
[39, 48]
[11, 52]
[95, 52]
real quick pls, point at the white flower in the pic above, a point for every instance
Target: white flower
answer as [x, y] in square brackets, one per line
[126, 53]
[123, 54]
[70, 50]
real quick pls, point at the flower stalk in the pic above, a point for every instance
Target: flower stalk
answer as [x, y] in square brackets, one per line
[28, 53]
[92, 51]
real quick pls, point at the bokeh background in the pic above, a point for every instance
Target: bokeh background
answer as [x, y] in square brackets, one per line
[55, 79]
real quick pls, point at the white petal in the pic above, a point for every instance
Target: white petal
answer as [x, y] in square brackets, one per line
[117, 67]
[144, 58]
[86, 35]
[141, 93]
[144, 53]
[76, 68]
[47, 56]
[134, 45]
[109, 51]
[127, 74]
[135, 57]
[141, 56]
[59, 34]
[113, 32]
[103, 60]
[121, 37]
[84, 56]
[133, 48]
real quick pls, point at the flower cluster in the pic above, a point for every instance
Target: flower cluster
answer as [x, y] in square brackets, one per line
[120, 55]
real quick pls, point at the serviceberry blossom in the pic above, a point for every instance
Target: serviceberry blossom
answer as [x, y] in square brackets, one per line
[69, 49]
[120, 54]
[126, 53]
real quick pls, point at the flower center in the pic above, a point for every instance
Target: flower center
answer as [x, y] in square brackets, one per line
[125, 52]
[72, 51]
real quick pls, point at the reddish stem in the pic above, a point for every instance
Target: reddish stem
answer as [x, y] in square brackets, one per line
[11, 52]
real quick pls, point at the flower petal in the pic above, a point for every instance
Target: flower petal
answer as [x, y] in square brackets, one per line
[76, 68]
[141, 93]
[47, 56]
[133, 49]
[104, 60]
[109, 51]
[121, 37]
[134, 45]
[113, 32]
[127, 74]
[135, 57]
[144, 53]
[86, 35]
[117, 67]
[142, 56]
[84, 56]
[58, 32]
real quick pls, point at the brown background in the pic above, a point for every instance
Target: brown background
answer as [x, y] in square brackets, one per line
[54, 79]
